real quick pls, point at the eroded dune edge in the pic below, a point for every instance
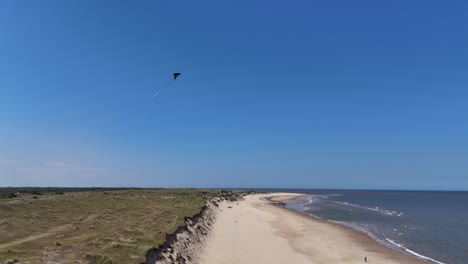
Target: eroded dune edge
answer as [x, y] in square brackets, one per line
[187, 243]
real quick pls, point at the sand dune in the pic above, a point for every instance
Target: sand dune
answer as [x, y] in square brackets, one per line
[255, 231]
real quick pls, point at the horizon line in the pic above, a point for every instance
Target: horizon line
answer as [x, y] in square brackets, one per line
[240, 188]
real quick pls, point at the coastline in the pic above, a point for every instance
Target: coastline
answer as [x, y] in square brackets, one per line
[363, 237]
[256, 231]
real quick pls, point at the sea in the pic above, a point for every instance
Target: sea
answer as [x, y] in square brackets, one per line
[432, 225]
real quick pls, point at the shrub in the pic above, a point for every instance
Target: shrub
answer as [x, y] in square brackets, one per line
[12, 261]
[57, 243]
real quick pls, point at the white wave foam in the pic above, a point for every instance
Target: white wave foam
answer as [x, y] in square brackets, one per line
[377, 209]
[357, 227]
[311, 198]
[412, 252]
[315, 216]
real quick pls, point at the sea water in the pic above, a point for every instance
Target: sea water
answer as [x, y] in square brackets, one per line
[431, 225]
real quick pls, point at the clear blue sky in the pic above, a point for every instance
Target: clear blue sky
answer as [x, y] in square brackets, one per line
[310, 94]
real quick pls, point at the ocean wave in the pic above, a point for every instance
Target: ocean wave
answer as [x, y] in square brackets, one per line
[376, 209]
[412, 252]
[316, 216]
[321, 196]
[311, 198]
[359, 228]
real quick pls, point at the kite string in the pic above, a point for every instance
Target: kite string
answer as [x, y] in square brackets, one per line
[167, 85]
[160, 90]
[154, 95]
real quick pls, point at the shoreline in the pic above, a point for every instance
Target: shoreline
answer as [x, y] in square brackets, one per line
[403, 250]
[256, 231]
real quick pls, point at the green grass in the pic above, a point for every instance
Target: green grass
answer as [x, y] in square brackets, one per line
[98, 226]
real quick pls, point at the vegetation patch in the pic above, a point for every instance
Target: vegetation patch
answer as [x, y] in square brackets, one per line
[94, 225]
[98, 259]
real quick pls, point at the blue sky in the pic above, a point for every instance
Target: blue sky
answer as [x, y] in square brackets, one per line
[309, 94]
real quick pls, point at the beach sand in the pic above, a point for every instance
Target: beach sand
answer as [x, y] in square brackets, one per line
[255, 231]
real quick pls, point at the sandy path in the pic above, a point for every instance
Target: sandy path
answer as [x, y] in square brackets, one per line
[50, 232]
[256, 232]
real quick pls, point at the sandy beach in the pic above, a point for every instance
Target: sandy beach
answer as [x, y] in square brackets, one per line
[255, 231]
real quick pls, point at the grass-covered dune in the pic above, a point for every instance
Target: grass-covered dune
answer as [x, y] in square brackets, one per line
[91, 226]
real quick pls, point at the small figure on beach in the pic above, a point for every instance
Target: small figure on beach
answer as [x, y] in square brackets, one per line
[365, 259]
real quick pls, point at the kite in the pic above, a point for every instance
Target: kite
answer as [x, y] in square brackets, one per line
[175, 74]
